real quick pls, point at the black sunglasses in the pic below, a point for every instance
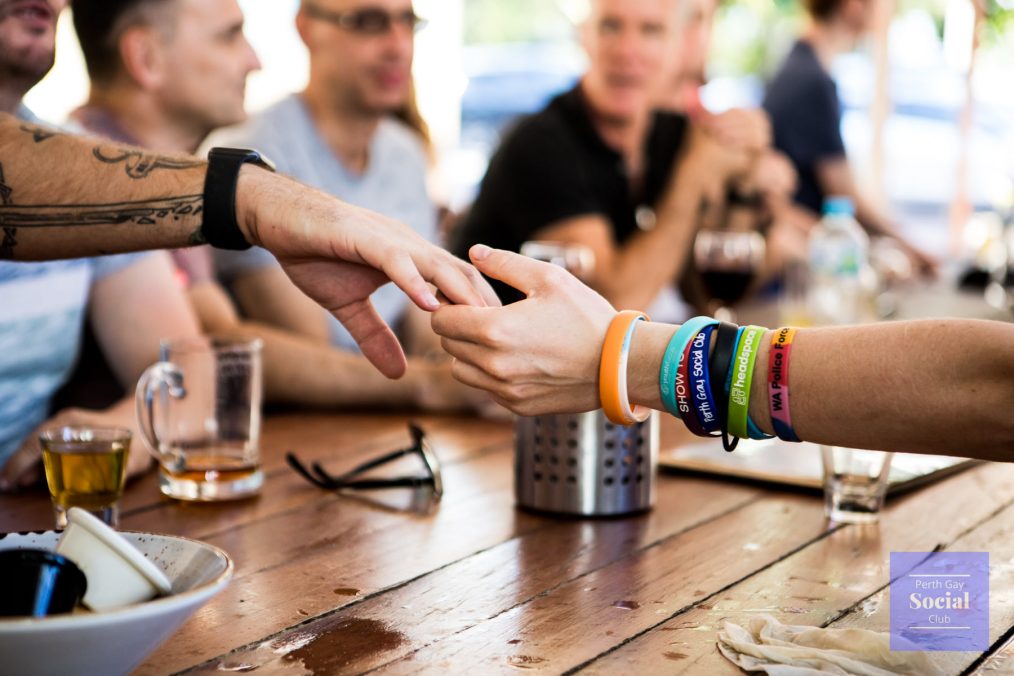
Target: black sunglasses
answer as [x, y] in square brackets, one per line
[368, 21]
[319, 477]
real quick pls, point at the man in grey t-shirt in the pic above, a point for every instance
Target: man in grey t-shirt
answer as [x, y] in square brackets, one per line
[339, 135]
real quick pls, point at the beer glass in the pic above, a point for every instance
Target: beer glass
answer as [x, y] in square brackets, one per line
[199, 411]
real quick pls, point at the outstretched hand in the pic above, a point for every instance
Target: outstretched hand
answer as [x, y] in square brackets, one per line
[537, 355]
[339, 254]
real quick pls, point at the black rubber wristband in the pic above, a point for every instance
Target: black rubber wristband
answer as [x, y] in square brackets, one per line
[718, 369]
[219, 227]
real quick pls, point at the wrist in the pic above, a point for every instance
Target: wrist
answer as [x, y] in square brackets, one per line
[646, 350]
[251, 185]
[220, 225]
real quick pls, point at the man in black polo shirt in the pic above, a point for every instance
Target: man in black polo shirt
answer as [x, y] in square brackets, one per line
[802, 102]
[599, 167]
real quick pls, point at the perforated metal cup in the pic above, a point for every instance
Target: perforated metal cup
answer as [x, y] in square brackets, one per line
[585, 465]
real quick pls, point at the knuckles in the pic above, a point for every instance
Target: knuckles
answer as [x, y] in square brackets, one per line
[491, 334]
[502, 368]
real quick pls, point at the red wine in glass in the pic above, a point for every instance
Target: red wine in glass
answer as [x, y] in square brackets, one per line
[727, 261]
[726, 286]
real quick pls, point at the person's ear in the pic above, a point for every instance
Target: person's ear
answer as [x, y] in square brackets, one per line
[143, 57]
[304, 27]
[584, 34]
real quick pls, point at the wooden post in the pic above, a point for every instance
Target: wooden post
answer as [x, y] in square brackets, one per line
[880, 108]
[961, 207]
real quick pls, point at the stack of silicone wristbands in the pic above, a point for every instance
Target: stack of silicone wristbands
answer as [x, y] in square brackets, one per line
[705, 379]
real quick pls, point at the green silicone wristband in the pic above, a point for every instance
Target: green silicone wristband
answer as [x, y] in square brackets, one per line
[742, 377]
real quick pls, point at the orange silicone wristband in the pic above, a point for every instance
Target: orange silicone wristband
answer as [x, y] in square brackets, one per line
[613, 370]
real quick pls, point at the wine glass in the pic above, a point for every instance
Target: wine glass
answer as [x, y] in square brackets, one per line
[894, 274]
[727, 261]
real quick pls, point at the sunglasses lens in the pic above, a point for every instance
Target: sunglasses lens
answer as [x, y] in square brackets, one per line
[433, 466]
[372, 21]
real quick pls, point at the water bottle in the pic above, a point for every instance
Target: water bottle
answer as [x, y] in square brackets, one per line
[839, 266]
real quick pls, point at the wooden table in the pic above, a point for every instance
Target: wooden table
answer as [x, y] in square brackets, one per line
[339, 584]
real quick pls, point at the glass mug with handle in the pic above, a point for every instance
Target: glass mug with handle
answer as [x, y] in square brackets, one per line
[204, 428]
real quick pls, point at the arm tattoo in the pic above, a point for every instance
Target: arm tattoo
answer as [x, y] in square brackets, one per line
[39, 134]
[141, 212]
[138, 212]
[140, 164]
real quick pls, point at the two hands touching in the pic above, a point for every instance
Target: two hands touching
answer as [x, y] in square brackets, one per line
[338, 255]
[342, 254]
[539, 355]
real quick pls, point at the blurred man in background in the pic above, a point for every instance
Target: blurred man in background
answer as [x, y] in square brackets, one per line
[762, 196]
[341, 135]
[165, 73]
[802, 101]
[600, 168]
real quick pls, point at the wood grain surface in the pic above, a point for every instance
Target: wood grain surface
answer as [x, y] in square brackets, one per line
[395, 583]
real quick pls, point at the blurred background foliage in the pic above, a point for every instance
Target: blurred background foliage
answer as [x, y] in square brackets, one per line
[750, 35]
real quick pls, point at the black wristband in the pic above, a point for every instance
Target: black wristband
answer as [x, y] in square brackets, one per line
[718, 369]
[219, 227]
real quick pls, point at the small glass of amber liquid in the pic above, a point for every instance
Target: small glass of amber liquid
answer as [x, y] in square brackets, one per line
[86, 467]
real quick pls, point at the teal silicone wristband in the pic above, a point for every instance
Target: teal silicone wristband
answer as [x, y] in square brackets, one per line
[671, 360]
[754, 431]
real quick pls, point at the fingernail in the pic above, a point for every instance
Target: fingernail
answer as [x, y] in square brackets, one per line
[431, 300]
[480, 252]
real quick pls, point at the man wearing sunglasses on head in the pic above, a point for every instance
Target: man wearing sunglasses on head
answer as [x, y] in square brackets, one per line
[341, 135]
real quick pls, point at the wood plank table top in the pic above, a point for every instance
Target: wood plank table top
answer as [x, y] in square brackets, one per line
[329, 584]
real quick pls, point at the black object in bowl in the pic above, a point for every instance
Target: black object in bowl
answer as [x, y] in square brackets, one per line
[36, 583]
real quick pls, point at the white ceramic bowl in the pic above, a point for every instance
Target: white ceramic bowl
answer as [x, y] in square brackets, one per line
[113, 641]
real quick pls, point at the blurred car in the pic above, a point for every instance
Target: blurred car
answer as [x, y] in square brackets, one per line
[511, 80]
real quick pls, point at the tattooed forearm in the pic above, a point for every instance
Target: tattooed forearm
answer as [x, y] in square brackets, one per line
[144, 212]
[138, 163]
[39, 134]
[64, 196]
